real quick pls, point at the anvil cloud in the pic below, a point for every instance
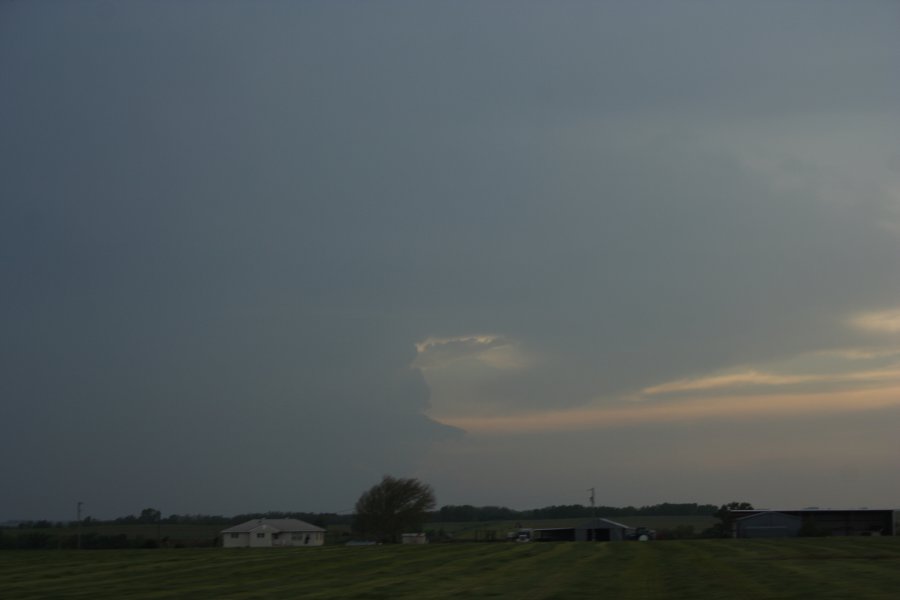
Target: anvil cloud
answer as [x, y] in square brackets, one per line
[302, 245]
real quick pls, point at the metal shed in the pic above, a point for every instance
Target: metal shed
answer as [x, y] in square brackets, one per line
[601, 530]
[595, 530]
[829, 521]
[769, 524]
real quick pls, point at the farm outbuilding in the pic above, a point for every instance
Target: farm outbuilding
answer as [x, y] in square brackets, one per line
[768, 524]
[601, 530]
[595, 530]
[272, 533]
[813, 521]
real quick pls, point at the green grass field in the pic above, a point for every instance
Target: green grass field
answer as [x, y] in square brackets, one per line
[696, 569]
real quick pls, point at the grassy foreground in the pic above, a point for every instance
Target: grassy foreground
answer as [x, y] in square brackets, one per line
[695, 569]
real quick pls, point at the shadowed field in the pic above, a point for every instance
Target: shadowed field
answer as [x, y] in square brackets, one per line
[696, 569]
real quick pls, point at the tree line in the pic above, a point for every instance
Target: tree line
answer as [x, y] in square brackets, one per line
[446, 514]
[466, 512]
[383, 513]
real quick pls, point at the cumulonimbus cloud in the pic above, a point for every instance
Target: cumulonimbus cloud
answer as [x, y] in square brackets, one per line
[487, 349]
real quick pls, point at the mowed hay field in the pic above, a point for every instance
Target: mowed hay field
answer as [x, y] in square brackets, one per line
[695, 569]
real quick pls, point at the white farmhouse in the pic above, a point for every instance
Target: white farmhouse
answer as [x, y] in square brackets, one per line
[272, 533]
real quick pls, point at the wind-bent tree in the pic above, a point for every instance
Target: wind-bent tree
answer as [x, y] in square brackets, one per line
[392, 507]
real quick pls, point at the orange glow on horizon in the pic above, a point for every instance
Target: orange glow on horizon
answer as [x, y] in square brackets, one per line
[721, 407]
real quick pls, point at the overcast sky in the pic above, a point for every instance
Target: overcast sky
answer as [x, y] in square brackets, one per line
[255, 255]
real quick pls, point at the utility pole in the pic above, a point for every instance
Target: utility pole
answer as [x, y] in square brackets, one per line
[78, 518]
[593, 508]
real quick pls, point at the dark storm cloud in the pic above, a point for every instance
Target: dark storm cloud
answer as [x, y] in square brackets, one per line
[225, 226]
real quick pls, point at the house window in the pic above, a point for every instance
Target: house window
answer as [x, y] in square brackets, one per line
[234, 536]
[260, 535]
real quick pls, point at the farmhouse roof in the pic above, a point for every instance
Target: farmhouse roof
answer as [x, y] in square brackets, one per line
[278, 525]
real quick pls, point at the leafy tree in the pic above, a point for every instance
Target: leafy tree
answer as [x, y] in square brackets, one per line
[727, 518]
[392, 507]
[724, 512]
[149, 515]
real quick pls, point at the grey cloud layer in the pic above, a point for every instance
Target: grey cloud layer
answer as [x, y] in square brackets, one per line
[224, 226]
